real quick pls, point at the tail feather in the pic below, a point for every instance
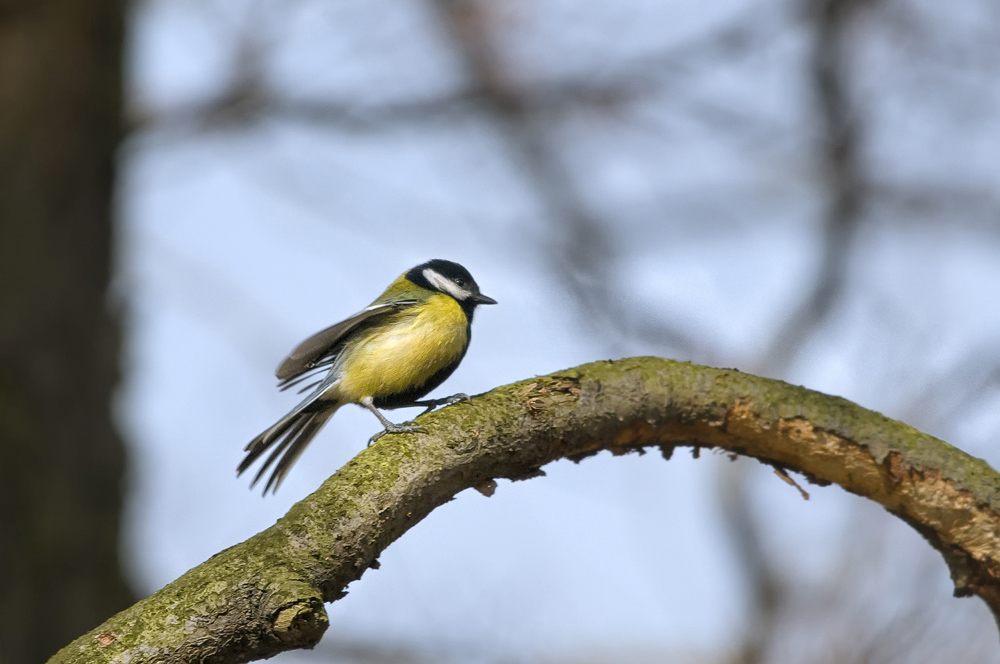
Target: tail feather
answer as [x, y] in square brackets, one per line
[286, 439]
[292, 434]
[297, 445]
[261, 443]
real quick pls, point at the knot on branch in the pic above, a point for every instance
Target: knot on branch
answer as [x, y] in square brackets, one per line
[301, 624]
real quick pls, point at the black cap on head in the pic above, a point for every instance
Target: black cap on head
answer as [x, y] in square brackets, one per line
[447, 269]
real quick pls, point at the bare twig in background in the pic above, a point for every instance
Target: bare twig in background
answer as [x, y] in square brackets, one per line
[582, 250]
[766, 584]
[840, 132]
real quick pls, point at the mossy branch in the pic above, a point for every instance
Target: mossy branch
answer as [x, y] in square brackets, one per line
[266, 595]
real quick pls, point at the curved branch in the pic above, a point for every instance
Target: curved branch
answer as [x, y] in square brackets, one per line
[266, 594]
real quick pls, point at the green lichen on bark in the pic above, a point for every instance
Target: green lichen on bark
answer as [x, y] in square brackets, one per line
[265, 595]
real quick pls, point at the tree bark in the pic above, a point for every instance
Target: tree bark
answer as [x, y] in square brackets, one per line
[266, 594]
[61, 461]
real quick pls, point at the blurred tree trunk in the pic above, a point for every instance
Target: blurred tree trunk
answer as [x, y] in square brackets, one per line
[62, 461]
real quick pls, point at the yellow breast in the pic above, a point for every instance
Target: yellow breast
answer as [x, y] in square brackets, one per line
[406, 351]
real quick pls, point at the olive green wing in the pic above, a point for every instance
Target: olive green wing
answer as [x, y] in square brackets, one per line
[320, 350]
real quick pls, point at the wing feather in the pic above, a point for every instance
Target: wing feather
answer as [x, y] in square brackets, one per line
[310, 353]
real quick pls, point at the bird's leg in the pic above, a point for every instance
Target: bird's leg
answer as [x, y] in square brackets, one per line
[368, 403]
[431, 404]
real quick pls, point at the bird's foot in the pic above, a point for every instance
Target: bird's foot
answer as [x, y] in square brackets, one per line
[444, 401]
[396, 428]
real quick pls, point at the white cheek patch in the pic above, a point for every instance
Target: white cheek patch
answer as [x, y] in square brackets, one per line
[445, 284]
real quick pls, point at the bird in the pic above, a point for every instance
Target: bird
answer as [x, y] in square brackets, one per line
[388, 355]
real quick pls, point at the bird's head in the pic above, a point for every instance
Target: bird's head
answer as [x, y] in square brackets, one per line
[451, 279]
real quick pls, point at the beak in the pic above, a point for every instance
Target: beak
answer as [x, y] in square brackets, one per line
[479, 298]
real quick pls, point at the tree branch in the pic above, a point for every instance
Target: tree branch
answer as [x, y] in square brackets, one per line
[266, 595]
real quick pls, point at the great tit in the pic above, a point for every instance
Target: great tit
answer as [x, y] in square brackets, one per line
[388, 355]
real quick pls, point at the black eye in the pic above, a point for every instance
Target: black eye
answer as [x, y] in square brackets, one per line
[460, 282]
